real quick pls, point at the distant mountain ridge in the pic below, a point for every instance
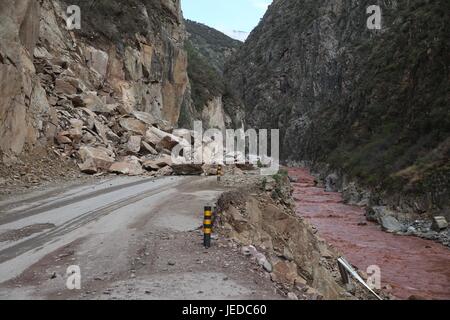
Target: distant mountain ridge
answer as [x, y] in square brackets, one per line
[207, 52]
[212, 45]
[238, 34]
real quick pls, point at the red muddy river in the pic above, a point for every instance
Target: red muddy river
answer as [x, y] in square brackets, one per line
[410, 265]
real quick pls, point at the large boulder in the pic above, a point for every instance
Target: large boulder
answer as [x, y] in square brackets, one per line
[210, 170]
[166, 171]
[69, 85]
[391, 224]
[76, 130]
[263, 262]
[375, 213]
[167, 143]
[129, 166]
[157, 164]
[145, 117]
[62, 86]
[164, 161]
[166, 140]
[151, 138]
[354, 195]
[102, 131]
[147, 148]
[134, 144]
[184, 134]
[62, 138]
[151, 165]
[133, 125]
[96, 104]
[187, 169]
[95, 159]
[439, 224]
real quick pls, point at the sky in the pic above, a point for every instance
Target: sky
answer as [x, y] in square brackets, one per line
[236, 18]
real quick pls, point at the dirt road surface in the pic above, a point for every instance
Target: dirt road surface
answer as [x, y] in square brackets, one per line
[133, 238]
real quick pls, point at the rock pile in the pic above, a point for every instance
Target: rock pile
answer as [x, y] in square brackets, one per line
[110, 104]
[109, 110]
[93, 128]
[108, 97]
[435, 229]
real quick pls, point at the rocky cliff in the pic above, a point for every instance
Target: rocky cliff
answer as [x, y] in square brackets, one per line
[104, 94]
[102, 86]
[372, 104]
[23, 103]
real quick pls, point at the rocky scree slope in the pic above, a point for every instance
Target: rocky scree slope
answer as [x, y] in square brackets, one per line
[107, 96]
[371, 104]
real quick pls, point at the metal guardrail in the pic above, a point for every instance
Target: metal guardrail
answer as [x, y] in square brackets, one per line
[346, 269]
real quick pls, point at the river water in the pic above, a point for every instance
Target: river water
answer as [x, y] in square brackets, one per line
[410, 265]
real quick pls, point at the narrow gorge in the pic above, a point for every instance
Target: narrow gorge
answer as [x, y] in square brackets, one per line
[367, 108]
[368, 113]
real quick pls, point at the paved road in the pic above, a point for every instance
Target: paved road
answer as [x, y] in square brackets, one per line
[133, 238]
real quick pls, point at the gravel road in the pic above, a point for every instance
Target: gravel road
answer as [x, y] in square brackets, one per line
[132, 238]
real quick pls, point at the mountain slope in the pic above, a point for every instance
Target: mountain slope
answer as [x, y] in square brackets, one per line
[132, 56]
[212, 45]
[372, 104]
[99, 99]
[212, 103]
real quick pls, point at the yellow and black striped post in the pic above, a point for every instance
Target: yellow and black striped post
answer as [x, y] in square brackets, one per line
[207, 227]
[219, 172]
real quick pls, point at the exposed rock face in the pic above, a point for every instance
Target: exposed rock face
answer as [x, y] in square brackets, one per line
[372, 103]
[23, 104]
[139, 49]
[116, 64]
[297, 256]
[213, 114]
[115, 88]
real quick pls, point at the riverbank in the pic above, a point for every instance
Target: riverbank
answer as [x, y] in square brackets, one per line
[411, 266]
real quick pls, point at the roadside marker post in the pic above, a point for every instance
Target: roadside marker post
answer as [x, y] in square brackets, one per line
[219, 172]
[207, 227]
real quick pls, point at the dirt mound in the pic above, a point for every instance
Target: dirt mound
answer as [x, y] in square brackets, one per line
[42, 166]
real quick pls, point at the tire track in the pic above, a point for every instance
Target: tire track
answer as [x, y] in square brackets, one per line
[11, 217]
[80, 221]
